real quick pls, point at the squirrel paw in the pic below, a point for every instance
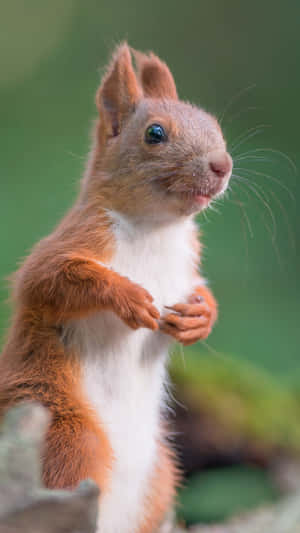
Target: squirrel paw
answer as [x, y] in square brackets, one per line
[133, 305]
[189, 322]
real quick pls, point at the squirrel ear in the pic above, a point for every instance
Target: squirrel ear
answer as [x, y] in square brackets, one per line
[119, 91]
[155, 76]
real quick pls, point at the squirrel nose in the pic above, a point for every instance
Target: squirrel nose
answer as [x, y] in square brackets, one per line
[220, 163]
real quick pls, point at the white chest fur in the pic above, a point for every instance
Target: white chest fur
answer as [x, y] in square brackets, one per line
[124, 370]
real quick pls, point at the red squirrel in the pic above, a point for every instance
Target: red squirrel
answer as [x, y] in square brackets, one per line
[99, 301]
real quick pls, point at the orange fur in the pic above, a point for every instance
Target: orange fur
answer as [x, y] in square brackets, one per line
[156, 78]
[34, 366]
[65, 277]
[192, 321]
[119, 92]
[161, 492]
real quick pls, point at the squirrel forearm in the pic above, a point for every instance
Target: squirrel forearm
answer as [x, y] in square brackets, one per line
[71, 287]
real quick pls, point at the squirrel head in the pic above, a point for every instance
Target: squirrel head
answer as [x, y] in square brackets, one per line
[154, 155]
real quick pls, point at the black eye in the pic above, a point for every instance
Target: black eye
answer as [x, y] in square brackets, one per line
[155, 134]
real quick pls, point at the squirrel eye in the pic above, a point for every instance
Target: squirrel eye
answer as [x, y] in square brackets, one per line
[155, 134]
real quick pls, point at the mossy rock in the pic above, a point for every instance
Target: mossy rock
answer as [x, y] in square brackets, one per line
[216, 495]
[240, 397]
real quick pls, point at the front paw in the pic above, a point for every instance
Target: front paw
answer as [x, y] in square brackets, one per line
[188, 323]
[134, 306]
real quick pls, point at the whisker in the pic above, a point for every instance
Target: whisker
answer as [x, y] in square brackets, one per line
[246, 218]
[237, 115]
[235, 99]
[250, 157]
[287, 221]
[77, 156]
[275, 248]
[278, 152]
[262, 198]
[246, 225]
[271, 178]
[251, 132]
[212, 350]
[204, 213]
[213, 207]
[273, 240]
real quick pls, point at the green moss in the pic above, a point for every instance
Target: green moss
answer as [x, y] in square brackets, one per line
[240, 397]
[218, 494]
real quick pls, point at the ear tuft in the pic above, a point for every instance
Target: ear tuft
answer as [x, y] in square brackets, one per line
[119, 91]
[155, 76]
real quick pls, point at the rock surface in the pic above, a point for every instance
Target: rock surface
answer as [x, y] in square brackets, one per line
[25, 505]
[281, 518]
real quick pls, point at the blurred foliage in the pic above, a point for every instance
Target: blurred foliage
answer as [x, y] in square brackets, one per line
[240, 398]
[254, 414]
[238, 60]
[281, 517]
[216, 495]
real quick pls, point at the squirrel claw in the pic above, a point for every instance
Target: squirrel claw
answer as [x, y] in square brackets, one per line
[189, 322]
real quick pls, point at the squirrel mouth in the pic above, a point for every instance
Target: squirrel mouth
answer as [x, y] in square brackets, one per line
[202, 199]
[199, 197]
[203, 196]
[196, 197]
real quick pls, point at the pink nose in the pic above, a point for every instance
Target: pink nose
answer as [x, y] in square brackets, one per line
[220, 163]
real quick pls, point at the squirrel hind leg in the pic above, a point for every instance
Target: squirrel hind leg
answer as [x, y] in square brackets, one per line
[76, 449]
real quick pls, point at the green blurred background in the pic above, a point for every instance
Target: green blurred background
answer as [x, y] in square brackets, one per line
[239, 60]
